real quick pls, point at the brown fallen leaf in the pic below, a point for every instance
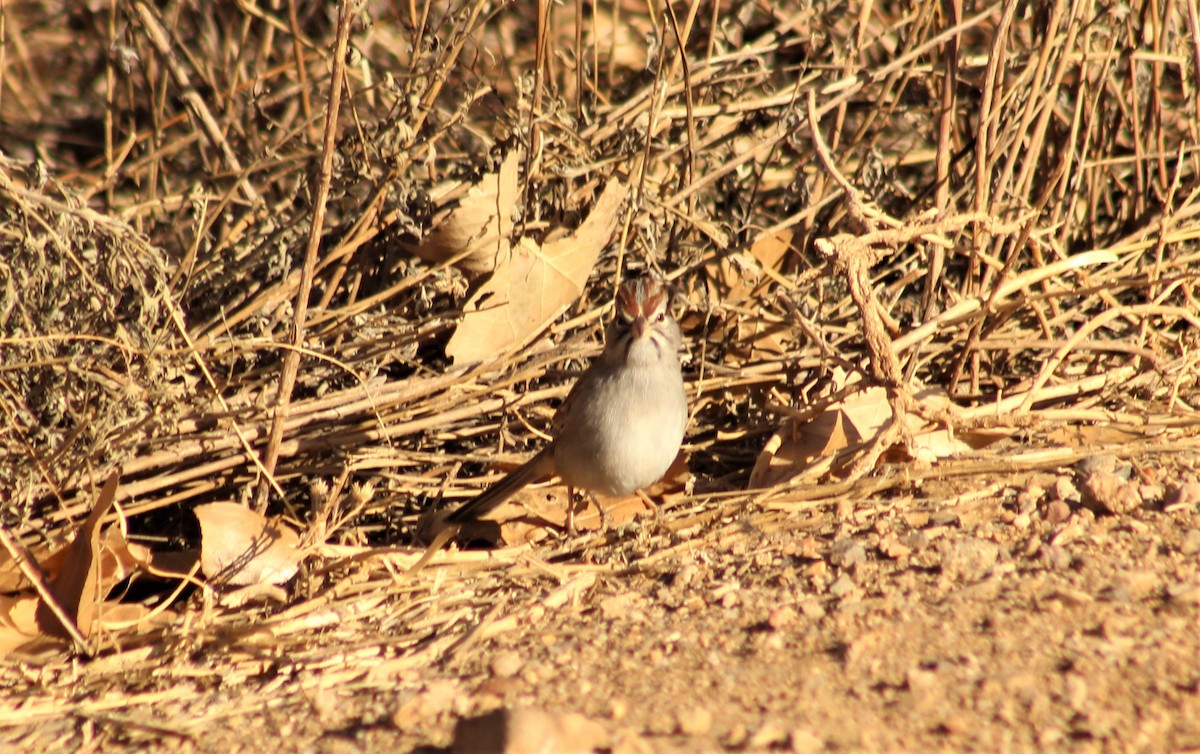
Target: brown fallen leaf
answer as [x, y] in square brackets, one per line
[534, 284]
[798, 445]
[739, 276]
[742, 277]
[480, 227]
[18, 622]
[241, 547]
[12, 579]
[76, 588]
[119, 559]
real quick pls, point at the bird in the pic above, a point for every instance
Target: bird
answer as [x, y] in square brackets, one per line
[622, 424]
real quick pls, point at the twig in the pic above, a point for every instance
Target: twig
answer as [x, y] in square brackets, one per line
[291, 361]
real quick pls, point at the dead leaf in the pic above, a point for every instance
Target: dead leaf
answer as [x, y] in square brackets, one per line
[18, 622]
[771, 248]
[119, 616]
[867, 412]
[743, 277]
[534, 284]
[481, 226]
[76, 588]
[798, 446]
[12, 579]
[119, 559]
[622, 36]
[241, 547]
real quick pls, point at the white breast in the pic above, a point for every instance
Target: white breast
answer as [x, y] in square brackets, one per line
[625, 436]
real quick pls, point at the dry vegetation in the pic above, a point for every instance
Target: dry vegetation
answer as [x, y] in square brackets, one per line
[979, 220]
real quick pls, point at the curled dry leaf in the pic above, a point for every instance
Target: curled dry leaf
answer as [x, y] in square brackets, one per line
[798, 445]
[739, 276]
[479, 230]
[534, 284]
[241, 547]
[79, 575]
[119, 558]
[76, 588]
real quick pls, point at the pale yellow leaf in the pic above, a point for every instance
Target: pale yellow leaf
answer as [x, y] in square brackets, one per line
[534, 284]
[18, 621]
[867, 411]
[797, 446]
[808, 447]
[479, 230]
[119, 559]
[241, 547]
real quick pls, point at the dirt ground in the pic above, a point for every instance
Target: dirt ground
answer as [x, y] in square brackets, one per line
[993, 614]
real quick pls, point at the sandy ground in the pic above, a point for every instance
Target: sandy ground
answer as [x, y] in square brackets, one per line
[983, 615]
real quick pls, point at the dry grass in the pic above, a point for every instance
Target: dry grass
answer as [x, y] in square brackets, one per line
[165, 163]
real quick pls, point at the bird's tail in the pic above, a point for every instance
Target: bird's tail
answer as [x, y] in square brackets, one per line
[538, 467]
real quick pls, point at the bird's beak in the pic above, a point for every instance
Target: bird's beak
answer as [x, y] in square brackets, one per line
[639, 327]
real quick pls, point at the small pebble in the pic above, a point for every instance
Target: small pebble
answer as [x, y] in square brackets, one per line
[769, 734]
[842, 587]
[1065, 490]
[969, 558]
[1109, 493]
[506, 664]
[781, 617]
[696, 721]
[804, 741]
[1191, 543]
[1186, 495]
[528, 730]
[846, 553]
[1057, 512]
